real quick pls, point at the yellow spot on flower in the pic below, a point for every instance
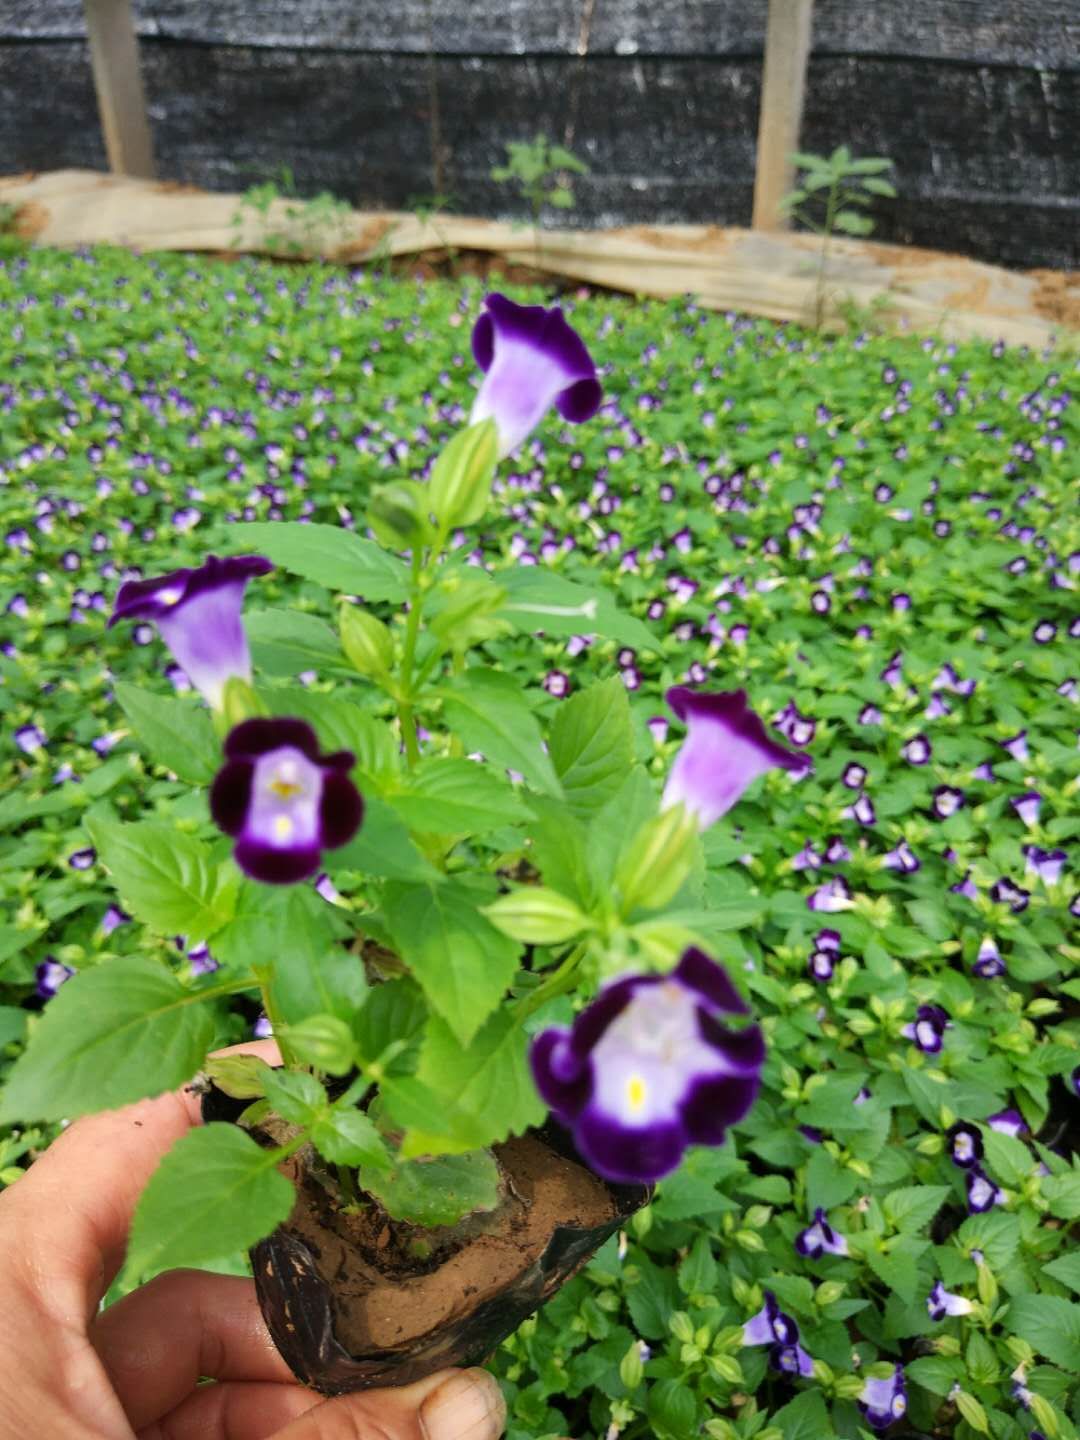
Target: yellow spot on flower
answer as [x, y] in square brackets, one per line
[283, 827]
[284, 788]
[635, 1092]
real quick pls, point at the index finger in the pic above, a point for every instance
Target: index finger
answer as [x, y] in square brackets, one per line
[66, 1222]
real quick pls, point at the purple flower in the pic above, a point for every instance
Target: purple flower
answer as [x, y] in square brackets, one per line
[556, 683]
[988, 964]
[50, 975]
[262, 1029]
[531, 360]
[928, 1028]
[1045, 865]
[1027, 806]
[791, 1359]
[917, 750]
[770, 1326]
[649, 1068]
[828, 940]
[29, 738]
[282, 800]
[965, 1144]
[1008, 1122]
[198, 615]
[113, 918]
[982, 1193]
[862, 810]
[1017, 746]
[903, 858]
[947, 800]
[726, 748]
[941, 1302]
[965, 887]
[202, 962]
[820, 1238]
[883, 1401]
[1005, 892]
[83, 859]
[834, 895]
[854, 776]
[821, 965]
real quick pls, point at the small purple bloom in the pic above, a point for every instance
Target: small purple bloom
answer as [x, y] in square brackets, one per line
[965, 1144]
[202, 962]
[820, 1238]
[726, 748]
[770, 1326]
[262, 1029]
[941, 1302]
[282, 800]
[1045, 865]
[834, 895]
[198, 615]
[828, 940]
[928, 1028]
[83, 859]
[50, 975]
[854, 776]
[883, 1401]
[947, 800]
[29, 738]
[988, 964]
[821, 965]
[1008, 1122]
[1006, 892]
[531, 360]
[917, 750]
[791, 1360]
[1017, 746]
[862, 810]
[556, 683]
[113, 918]
[982, 1193]
[870, 715]
[649, 1068]
[965, 887]
[903, 858]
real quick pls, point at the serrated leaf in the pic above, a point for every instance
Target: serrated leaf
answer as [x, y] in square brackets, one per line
[1066, 1270]
[1007, 1158]
[804, 1418]
[911, 1207]
[165, 876]
[464, 965]
[591, 746]
[295, 1095]
[489, 1078]
[348, 1137]
[177, 733]
[381, 847]
[118, 1033]
[214, 1192]
[451, 796]
[326, 554]
[1050, 1325]
[487, 709]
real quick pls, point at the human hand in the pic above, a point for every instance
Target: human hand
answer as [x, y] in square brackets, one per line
[70, 1372]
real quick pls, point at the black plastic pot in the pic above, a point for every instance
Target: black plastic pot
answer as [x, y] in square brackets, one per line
[299, 1305]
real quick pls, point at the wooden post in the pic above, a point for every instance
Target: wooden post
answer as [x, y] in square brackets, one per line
[114, 54]
[787, 50]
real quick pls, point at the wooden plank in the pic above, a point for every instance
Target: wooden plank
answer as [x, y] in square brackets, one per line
[1036, 33]
[787, 52]
[114, 55]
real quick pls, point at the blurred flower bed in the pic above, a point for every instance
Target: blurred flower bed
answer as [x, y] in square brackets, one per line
[878, 538]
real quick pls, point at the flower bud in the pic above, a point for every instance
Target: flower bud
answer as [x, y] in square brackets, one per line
[632, 1367]
[460, 483]
[848, 1387]
[658, 860]
[536, 915]
[367, 642]
[641, 1222]
[986, 1284]
[239, 702]
[323, 1041]
[238, 1075]
[681, 1326]
[1044, 1413]
[398, 514]
[726, 1368]
[972, 1411]
[828, 1292]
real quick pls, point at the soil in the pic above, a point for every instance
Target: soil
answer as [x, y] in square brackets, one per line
[1057, 297]
[381, 1302]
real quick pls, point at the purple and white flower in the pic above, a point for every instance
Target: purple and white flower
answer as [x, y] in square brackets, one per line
[834, 895]
[917, 750]
[820, 1238]
[988, 964]
[941, 1302]
[649, 1068]
[84, 859]
[1027, 806]
[946, 801]
[50, 975]
[982, 1193]
[821, 965]
[1007, 892]
[791, 1359]
[1017, 746]
[965, 1144]
[198, 613]
[883, 1401]
[902, 858]
[1008, 1122]
[113, 918]
[531, 360]
[1045, 865]
[928, 1028]
[282, 800]
[29, 738]
[770, 1326]
[726, 747]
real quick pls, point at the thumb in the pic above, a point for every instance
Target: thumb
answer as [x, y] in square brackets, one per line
[452, 1405]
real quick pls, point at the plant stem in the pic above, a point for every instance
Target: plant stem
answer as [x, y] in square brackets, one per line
[347, 1184]
[557, 983]
[819, 289]
[412, 634]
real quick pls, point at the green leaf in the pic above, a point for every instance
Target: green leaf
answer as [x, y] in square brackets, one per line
[699, 1272]
[591, 746]
[804, 1418]
[382, 847]
[538, 600]
[435, 1124]
[489, 712]
[450, 796]
[178, 733]
[214, 1192]
[326, 554]
[439, 1191]
[464, 965]
[490, 1078]
[295, 1095]
[120, 1032]
[394, 1010]
[911, 1207]
[460, 484]
[288, 642]
[827, 1183]
[340, 725]
[852, 223]
[1066, 1270]
[165, 876]
[898, 1267]
[1050, 1325]
[936, 1373]
[1062, 1193]
[348, 1137]
[1007, 1158]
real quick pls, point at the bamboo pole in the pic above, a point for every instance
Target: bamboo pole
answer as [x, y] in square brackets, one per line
[787, 50]
[114, 55]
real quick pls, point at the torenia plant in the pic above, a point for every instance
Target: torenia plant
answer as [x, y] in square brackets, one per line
[453, 919]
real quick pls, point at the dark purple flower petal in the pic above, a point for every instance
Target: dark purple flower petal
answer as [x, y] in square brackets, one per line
[627, 1154]
[698, 972]
[965, 1144]
[230, 795]
[252, 738]
[341, 809]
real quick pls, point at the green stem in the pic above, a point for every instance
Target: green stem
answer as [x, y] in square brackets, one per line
[412, 634]
[819, 298]
[557, 983]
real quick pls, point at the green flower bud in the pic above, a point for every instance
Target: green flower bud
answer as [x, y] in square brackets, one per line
[972, 1411]
[323, 1041]
[460, 483]
[366, 641]
[240, 1076]
[726, 1368]
[828, 1292]
[1045, 1414]
[536, 915]
[397, 513]
[848, 1387]
[681, 1326]
[632, 1367]
[658, 860]
[986, 1284]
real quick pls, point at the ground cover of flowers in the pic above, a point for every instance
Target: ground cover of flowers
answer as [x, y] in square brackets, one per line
[877, 538]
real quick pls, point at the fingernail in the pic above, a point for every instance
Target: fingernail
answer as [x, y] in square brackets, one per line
[468, 1406]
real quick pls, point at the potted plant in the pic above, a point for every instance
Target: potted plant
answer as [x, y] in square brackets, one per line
[456, 919]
